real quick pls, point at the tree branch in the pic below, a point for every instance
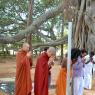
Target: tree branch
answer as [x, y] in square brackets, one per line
[34, 26]
[54, 43]
[44, 36]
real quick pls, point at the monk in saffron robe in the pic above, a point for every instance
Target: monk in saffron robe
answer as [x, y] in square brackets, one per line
[23, 83]
[62, 76]
[42, 72]
[61, 80]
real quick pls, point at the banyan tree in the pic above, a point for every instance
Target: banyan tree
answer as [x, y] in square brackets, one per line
[80, 12]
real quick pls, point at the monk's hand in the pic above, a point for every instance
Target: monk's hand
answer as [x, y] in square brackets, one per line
[51, 61]
[29, 54]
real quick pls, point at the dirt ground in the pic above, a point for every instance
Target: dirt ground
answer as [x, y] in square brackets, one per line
[7, 70]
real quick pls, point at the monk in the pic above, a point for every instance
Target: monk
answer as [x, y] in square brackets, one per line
[62, 76]
[61, 80]
[42, 71]
[23, 83]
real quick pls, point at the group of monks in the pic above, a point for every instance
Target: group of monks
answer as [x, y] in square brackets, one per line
[23, 82]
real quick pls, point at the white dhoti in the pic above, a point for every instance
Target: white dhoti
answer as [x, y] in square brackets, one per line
[88, 75]
[78, 86]
[88, 82]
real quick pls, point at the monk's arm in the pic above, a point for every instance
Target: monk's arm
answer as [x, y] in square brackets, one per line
[21, 59]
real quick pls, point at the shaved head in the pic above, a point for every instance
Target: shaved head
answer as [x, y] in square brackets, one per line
[25, 46]
[51, 51]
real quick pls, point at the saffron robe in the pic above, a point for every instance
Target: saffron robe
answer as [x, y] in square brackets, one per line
[41, 75]
[61, 82]
[23, 83]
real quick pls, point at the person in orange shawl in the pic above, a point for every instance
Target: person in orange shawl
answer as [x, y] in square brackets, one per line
[42, 71]
[23, 83]
[61, 80]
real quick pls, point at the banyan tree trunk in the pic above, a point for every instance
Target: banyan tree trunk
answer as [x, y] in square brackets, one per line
[79, 35]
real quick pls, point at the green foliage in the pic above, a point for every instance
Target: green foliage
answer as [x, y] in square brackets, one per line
[13, 17]
[36, 38]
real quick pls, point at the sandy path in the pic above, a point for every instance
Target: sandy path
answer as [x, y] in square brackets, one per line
[7, 70]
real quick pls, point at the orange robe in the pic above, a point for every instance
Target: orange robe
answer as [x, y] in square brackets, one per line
[23, 83]
[41, 75]
[61, 82]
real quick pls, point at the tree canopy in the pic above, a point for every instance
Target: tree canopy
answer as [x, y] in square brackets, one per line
[47, 21]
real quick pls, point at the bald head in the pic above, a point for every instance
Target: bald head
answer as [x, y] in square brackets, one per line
[25, 46]
[51, 51]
